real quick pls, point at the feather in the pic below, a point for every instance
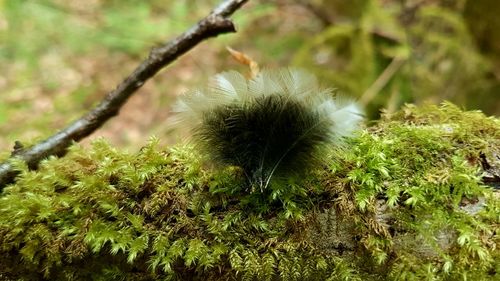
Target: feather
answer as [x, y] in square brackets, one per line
[273, 126]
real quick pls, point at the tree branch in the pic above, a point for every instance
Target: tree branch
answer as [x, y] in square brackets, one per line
[217, 22]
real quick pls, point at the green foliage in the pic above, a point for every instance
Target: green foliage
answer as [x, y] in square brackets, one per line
[80, 34]
[405, 202]
[389, 53]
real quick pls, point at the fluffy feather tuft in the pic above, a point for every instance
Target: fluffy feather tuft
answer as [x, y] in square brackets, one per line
[272, 126]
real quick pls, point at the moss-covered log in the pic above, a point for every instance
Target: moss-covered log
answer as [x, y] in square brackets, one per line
[406, 201]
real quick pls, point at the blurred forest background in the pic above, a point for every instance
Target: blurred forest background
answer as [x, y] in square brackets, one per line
[58, 58]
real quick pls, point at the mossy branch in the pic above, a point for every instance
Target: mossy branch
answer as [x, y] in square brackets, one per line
[216, 23]
[405, 202]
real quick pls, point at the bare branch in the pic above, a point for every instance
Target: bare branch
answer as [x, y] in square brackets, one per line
[217, 22]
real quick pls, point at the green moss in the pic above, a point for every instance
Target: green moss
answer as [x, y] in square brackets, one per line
[404, 202]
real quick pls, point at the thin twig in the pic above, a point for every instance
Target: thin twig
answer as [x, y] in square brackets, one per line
[216, 23]
[382, 80]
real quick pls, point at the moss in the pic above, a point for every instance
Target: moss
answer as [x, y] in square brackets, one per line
[405, 202]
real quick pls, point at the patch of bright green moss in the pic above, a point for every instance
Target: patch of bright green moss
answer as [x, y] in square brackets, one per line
[404, 202]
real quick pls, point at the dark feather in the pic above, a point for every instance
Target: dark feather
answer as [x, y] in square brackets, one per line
[273, 127]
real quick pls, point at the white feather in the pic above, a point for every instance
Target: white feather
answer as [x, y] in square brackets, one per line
[233, 88]
[345, 116]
